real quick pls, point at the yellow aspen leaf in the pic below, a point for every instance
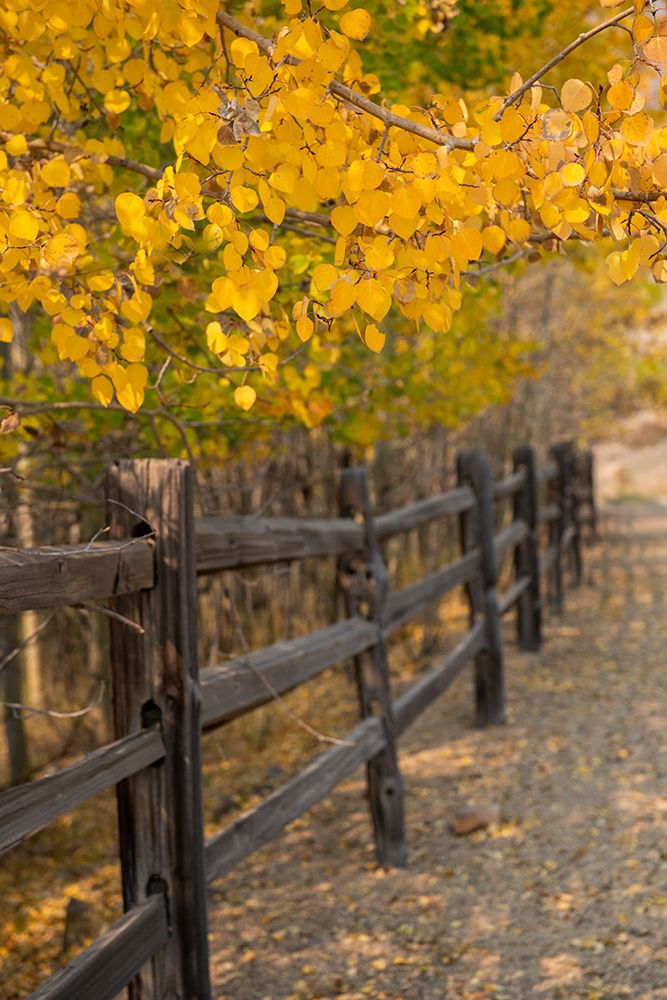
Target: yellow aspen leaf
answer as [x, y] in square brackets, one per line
[274, 210]
[621, 95]
[259, 239]
[138, 308]
[101, 282]
[247, 302]
[505, 164]
[380, 254]
[374, 338]
[491, 133]
[17, 145]
[437, 315]
[611, 3]
[642, 29]
[573, 174]
[130, 391]
[245, 396]
[343, 297]
[575, 95]
[117, 101]
[371, 209]
[220, 214]
[68, 206]
[373, 298]
[467, 244]
[129, 208]
[556, 125]
[275, 257]
[655, 50]
[637, 129]
[343, 220]
[518, 230]
[406, 201]
[6, 330]
[591, 127]
[23, 225]
[356, 24]
[244, 199]
[335, 4]
[305, 328]
[324, 276]
[512, 125]
[57, 172]
[134, 344]
[216, 339]
[403, 227]
[659, 168]
[494, 238]
[241, 48]
[102, 389]
[142, 268]
[61, 251]
[292, 7]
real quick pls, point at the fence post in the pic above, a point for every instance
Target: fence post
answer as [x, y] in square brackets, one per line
[588, 482]
[563, 455]
[155, 679]
[526, 555]
[363, 580]
[477, 531]
[556, 495]
[576, 563]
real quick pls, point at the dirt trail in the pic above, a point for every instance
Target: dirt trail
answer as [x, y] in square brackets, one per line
[567, 897]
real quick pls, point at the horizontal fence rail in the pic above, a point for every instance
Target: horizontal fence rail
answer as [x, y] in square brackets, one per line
[111, 962]
[163, 702]
[28, 808]
[56, 577]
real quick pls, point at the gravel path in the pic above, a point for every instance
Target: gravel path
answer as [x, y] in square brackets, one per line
[565, 898]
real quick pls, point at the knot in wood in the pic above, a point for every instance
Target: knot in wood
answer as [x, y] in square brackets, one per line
[365, 583]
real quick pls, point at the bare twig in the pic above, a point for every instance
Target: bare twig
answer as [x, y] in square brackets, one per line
[108, 613]
[17, 707]
[277, 697]
[27, 641]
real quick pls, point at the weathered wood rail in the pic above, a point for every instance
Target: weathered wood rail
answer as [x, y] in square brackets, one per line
[163, 703]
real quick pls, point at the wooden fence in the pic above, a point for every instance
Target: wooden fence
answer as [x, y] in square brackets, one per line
[163, 703]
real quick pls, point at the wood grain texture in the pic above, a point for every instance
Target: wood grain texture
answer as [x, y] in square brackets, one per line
[230, 689]
[232, 542]
[28, 808]
[417, 698]
[102, 970]
[415, 515]
[54, 577]
[155, 676]
[257, 826]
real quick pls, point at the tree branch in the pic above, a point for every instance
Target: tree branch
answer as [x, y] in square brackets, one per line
[563, 54]
[351, 96]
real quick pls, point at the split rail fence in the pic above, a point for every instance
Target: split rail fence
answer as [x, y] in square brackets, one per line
[163, 703]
